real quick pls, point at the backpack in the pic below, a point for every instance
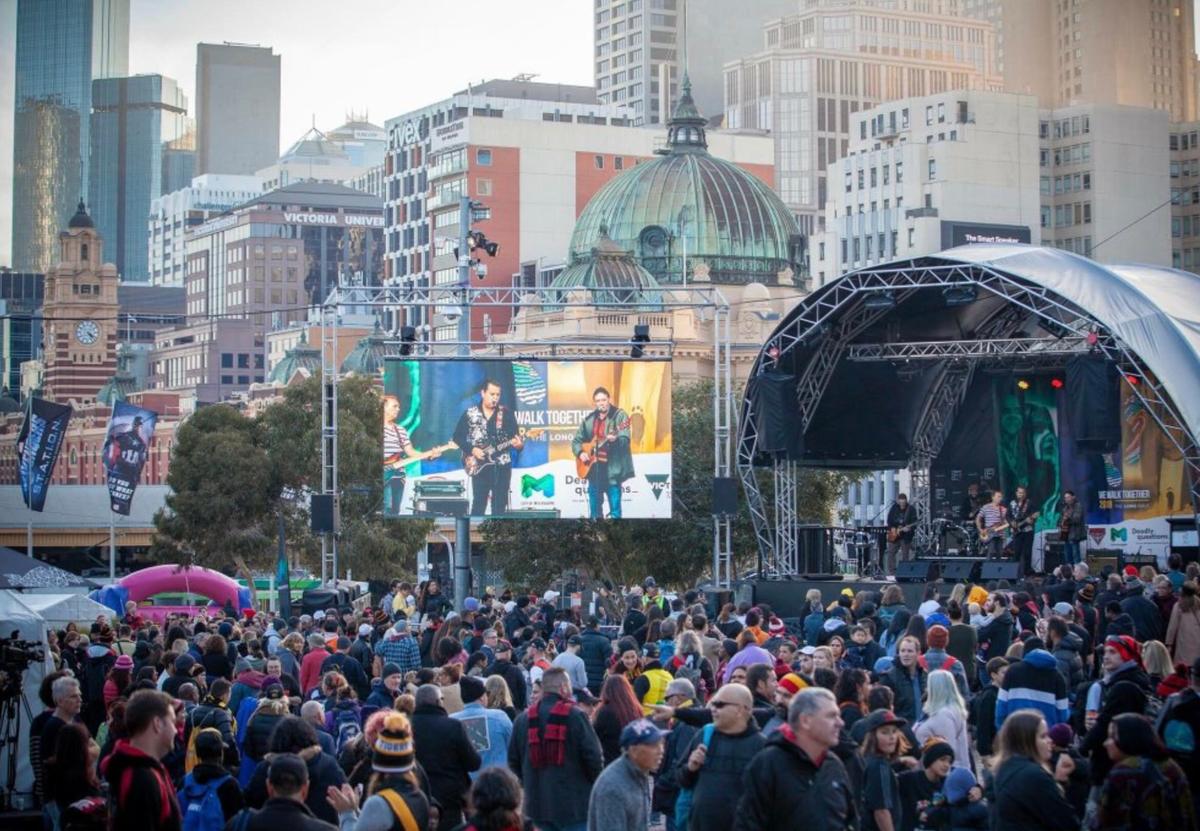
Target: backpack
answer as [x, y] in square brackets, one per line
[345, 728]
[95, 673]
[201, 805]
[683, 803]
[691, 671]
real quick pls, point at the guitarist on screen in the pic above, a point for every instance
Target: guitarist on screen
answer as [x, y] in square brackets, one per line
[601, 445]
[489, 424]
[901, 522]
[398, 452]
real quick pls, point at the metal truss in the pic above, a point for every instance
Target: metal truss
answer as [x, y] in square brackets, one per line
[839, 313]
[702, 298]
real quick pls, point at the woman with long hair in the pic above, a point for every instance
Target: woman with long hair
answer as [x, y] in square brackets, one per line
[499, 695]
[216, 659]
[837, 651]
[890, 603]
[393, 793]
[916, 629]
[895, 630]
[629, 660]
[851, 694]
[689, 654]
[1028, 796]
[1157, 661]
[1183, 630]
[119, 680]
[618, 707]
[883, 745]
[945, 717]
[71, 767]
[1145, 788]
[495, 799]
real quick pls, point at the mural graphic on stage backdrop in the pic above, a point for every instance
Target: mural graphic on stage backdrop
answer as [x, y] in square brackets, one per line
[1027, 444]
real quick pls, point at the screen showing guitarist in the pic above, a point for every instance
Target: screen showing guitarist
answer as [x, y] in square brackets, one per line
[901, 523]
[1022, 518]
[601, 448]
[398, 453]
[488, 434]
[1072, 528]
[992, 522]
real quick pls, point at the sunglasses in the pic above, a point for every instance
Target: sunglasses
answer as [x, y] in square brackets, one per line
[718, 705]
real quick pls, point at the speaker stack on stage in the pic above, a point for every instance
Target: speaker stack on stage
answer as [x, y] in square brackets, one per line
[916, 571]
[961, 571]
[774, 400]
[1093, 403]
[991, 570]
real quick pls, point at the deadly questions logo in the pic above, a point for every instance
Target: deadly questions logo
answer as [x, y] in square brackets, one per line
[658, 484]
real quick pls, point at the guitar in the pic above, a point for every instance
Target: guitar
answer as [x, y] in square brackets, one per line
[473, 466]
[1026, 523]
[993, 531]
[396, 460]
[893, 534]
[582, 468]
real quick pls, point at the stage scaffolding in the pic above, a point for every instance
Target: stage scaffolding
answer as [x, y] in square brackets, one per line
[706, 300]
[851, 305]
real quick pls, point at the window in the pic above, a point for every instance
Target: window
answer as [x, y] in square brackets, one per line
[226, 360]
[618, 162]
[933, 168]
[599, 161]
[929, 114]
[483, 157]
[483, 187]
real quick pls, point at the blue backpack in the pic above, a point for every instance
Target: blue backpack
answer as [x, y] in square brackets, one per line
[345, 727]
[201, 805]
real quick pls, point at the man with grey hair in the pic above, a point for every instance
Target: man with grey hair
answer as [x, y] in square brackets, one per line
[310, 666]
[796, 781]
[314, 713]
[445, 752]
[68, 701]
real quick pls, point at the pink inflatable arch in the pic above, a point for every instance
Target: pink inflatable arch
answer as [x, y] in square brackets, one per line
[179, 579]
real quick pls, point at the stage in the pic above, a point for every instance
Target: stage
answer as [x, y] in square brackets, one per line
[786, 596]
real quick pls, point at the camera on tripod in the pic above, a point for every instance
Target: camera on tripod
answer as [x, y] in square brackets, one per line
[16, 656]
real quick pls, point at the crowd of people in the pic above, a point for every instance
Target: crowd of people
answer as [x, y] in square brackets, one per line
[1062, 703]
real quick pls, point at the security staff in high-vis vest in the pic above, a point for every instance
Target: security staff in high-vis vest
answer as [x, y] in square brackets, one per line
[653, 597]
[651, 686]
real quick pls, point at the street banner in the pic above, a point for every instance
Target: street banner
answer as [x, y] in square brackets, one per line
[130, 431]
[38, 444]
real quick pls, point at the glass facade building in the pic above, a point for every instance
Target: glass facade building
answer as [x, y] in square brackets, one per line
[133, 122]
[61, 46]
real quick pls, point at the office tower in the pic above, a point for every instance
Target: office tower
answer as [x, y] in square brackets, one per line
[133, 120]
[837, 57]
[237, 108]
[639, 49]
[61, 46]
[179, 159]
[1139, 53]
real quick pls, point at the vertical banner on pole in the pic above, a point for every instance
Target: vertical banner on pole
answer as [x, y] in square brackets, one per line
[130, 431]
[38, 444]
[283, 583]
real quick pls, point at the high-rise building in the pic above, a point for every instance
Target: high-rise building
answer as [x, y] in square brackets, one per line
[837, 57]
[640, 49]
[179, 158]
[61, 47]
[174, 214]
[21, 297]
[237, 108]
[1185, 196]
[926, 174]
[1139, 53]
[133, 121]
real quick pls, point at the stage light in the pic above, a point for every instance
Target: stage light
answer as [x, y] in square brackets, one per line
[408, 337]
[880, 300]
[960, 295]
[641, 335]
[1057, 383]
[1132, 379]
[1023, 385]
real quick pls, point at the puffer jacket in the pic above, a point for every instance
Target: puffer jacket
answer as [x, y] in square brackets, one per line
[595, 651]
[1070, 665]
[785, 790]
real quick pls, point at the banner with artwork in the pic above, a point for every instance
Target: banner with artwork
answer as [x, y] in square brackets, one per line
[130, 431]
[532, 438]
[38, 443]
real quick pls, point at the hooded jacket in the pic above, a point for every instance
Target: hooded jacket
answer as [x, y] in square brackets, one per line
[142, 793]
[1070, 664]
[1028, 799]
[595, 651]
[786, 790]
[323, 771]
[997, 635]
[718, 784]
[1034, 683]
[1147, 619]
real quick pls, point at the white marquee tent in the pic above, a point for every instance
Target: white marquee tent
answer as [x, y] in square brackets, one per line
[16, 616]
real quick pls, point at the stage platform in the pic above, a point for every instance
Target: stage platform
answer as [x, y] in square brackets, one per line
[786, 596]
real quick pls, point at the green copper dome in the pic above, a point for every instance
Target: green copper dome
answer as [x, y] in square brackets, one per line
[117, 388]
[367, 356]
[610, 273]
[299, 357]
[733, 223]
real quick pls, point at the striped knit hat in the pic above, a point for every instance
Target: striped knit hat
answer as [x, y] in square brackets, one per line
[393, 751]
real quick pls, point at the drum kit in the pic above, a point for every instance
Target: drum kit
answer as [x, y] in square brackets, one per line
[951, 538]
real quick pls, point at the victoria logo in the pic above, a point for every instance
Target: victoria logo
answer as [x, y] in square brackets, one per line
[658, 483]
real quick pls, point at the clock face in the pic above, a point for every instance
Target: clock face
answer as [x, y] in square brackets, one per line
[87, 332]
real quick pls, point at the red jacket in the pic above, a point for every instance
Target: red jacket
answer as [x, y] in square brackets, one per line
[142, 794]
[310, 669]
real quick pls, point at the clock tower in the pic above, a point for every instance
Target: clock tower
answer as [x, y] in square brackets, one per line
[79, 329]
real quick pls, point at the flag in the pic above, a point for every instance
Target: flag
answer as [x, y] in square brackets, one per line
[283, 581]
[130, 431]
[38, 444]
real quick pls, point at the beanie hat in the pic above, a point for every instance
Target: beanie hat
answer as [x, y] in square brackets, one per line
[793, 683]
[123, 662]
[1126, 647]
[937, 637]
[958, 785]
[390, 669]
[1088, 593]
[937, 619]
[1062, 735]
[471, 688]
[1033, 643]
[393, 748]
[225, 629]
[936, 749]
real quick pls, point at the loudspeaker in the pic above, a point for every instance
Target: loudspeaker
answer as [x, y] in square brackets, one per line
[724, 496]
[815, 549]
[314, 600]
[960, 571]
[916, 571]
[774, 402]
[1093, 403]
[999, 570]
[320, 508]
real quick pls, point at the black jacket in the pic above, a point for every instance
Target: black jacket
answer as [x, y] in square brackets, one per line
[323, 771]
[1026, 798]
[595, 652]
[784, 790]
[633, 623]
[666, 783]
[258, 734]
[1147, 620]
[282, 813]
[1126, 692]
[983, 718]
[141, 793]
[220, 719]
[717, 786]
[515, 679]
[906, 702]
[446, 753]
[997, 635]
[353, 671]
[557, 795]
[1067, 653]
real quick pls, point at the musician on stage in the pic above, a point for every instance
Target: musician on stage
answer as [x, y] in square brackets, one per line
[901, 523]
[481, 431]
[397, 453]
[606, 431]
[1072, 527]
[992, 522]
[1022, 516]
[972, 503]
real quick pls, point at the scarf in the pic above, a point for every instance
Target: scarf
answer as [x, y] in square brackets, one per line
[548, 748]
[1108, 677]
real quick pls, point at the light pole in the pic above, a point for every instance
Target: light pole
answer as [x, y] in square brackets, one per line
[681, 219]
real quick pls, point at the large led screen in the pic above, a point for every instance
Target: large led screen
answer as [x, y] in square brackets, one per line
[527, 438]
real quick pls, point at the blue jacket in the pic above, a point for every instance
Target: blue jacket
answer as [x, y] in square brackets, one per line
[489, 731]
[1034, 683]
[812, 627]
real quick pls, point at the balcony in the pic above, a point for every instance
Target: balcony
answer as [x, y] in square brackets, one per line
[456, 164]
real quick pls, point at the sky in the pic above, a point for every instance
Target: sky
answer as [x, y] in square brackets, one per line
[379, 57]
